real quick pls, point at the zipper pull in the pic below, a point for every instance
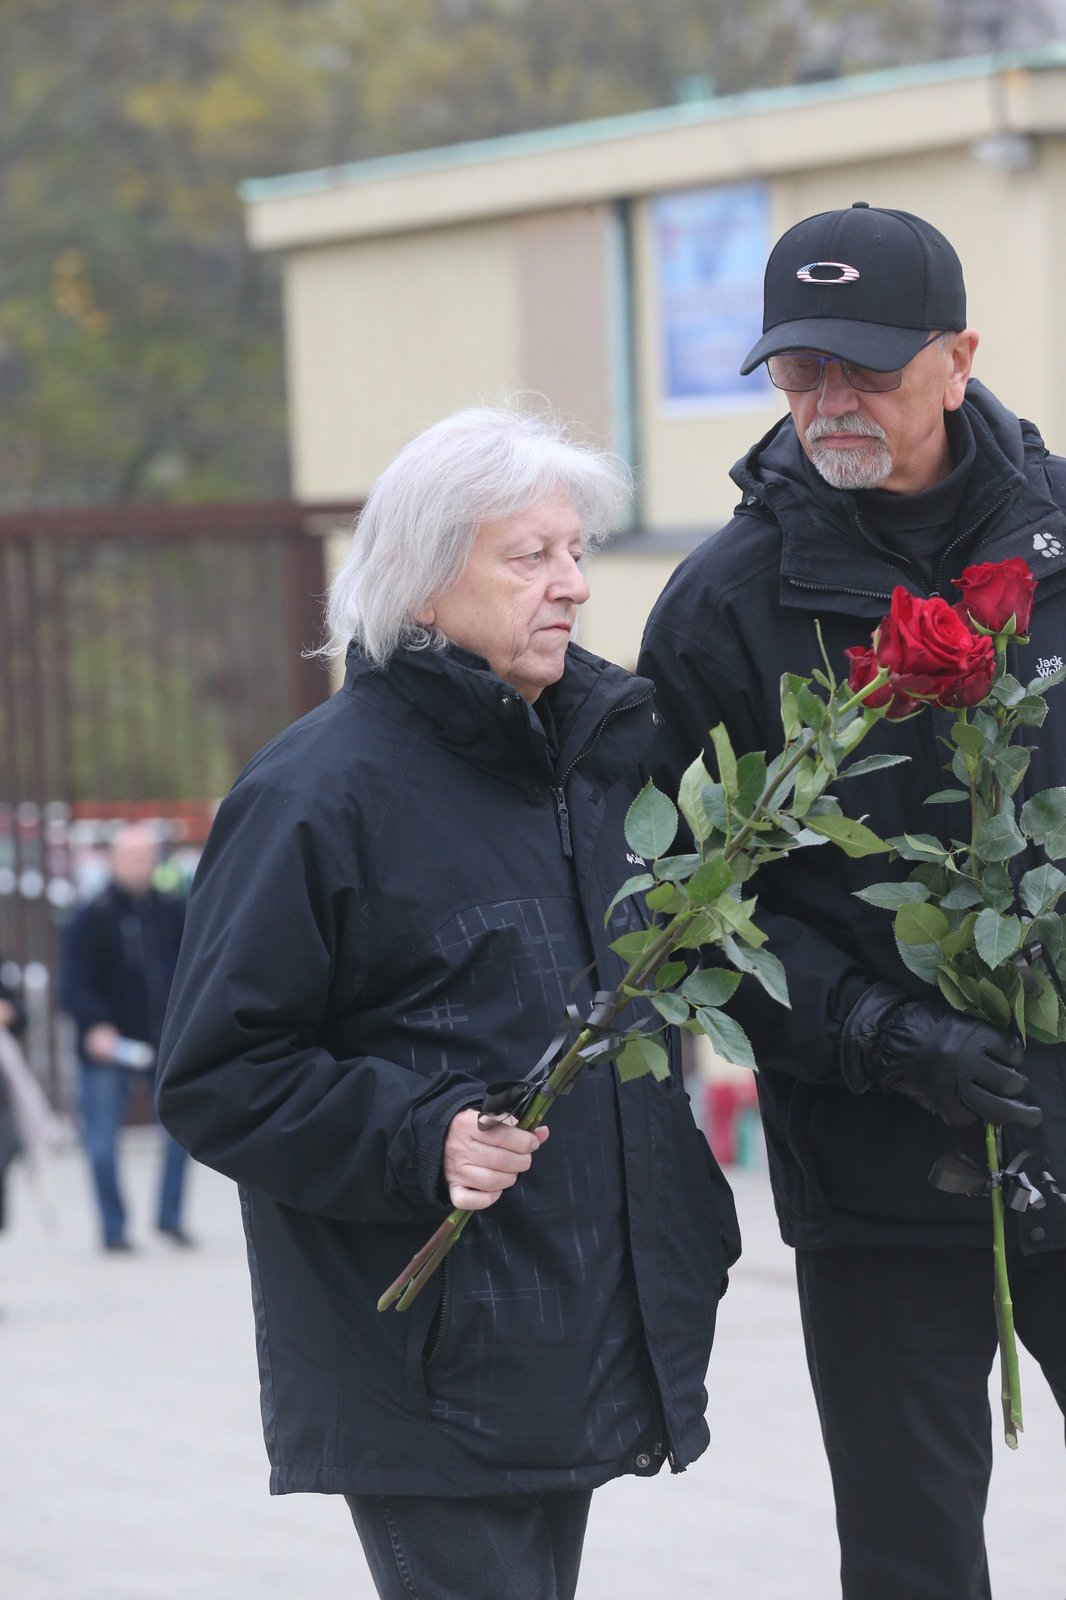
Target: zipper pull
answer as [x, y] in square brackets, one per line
[563, 816]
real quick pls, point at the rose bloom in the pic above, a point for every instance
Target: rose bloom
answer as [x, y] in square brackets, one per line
[995, 591]
[931, 654]
[864, 669]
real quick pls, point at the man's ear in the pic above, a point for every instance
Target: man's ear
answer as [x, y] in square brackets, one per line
[962, 349]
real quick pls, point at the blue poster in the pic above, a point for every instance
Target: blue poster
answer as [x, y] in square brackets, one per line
[711, 247]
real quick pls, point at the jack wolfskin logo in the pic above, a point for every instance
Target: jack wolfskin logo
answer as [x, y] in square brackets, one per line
[1047, 545]
[635, 861]
[1047, 666]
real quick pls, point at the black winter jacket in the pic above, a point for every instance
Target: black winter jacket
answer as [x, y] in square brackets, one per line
[119, 955]
[853, 1169]
[390, 912]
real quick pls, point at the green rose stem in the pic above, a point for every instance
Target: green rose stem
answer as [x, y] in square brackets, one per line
[1010, 1380]
[422, 1266]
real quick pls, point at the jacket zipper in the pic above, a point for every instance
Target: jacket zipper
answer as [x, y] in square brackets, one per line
[872, 594]
[562, 810]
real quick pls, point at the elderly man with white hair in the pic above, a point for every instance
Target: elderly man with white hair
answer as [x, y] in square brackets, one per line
[399, 900]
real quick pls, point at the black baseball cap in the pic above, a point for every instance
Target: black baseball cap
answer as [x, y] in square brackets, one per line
[865, 285]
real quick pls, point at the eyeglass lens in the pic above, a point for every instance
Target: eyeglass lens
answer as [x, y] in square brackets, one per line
[802, 370]
[799, 371]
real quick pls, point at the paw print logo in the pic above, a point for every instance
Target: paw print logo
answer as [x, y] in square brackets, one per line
[1047, 545]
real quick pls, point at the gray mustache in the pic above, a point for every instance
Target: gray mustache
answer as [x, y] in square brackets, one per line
[845, 424]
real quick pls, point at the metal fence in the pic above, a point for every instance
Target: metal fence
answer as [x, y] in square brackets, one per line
[145, 654]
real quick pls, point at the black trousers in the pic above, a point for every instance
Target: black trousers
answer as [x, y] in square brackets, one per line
[493, 1547]
[900, 1345]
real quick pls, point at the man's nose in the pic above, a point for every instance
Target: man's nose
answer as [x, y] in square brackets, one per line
[835, 394]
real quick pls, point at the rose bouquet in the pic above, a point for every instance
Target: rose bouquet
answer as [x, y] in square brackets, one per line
[746, 813]
[977, 916]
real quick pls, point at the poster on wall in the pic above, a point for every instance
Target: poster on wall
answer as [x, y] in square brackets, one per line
[711, 247]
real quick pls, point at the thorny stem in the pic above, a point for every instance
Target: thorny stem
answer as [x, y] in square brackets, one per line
[1010, 1382]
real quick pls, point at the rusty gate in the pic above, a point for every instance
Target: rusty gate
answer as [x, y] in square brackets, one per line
[145, 654]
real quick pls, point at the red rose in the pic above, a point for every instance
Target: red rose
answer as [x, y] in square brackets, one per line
[996, 591]
[931, 654]
[864, 669]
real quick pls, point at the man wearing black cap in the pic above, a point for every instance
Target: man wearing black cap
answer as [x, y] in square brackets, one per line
[893, 467]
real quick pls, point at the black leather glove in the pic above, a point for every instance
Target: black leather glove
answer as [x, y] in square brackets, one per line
[962, 1069]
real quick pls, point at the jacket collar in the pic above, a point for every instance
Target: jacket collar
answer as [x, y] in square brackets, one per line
[474, 712]
[828, 564]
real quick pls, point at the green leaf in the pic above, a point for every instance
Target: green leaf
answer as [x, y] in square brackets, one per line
[968, 738]
[918, 847]
[949, 988]
[762, 965]
[737, 917]
[651, 823]
[994, 1003]
[854, 838]
[1031, 713]
[715, 806]
[631, 945]
[641, 1056]
[666, 897]
[727, 761]
[1011, 765]
[961, 896]
[856, 769]
[751, 781]
[690, 799]
[728, 1038]
[710, 986]
[997, 888]
[671, 1006]
[1042, 1010]
[1040, 889]
[1007, 691]
[996, 937]
[922, 959]
[676, 869]
[890, 896]
[960, 938]
[1043, 819]
[710, 880]
[640, 880]
[947, 797]
[812, 710]
[998, 839]
[920, 924]
[1042, 685]
[1048, 931]
[791, 684]
[670, 973]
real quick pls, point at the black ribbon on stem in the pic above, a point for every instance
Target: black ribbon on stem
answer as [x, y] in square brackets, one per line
[511, 1097]
[956, 1173]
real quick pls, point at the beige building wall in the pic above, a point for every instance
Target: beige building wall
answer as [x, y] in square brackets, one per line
[422, 284]
[385, 336]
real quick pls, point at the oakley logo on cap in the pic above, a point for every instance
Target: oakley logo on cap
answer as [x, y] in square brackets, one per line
[827, 272]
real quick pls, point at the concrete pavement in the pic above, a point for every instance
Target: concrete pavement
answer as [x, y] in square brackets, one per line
[132, 1464]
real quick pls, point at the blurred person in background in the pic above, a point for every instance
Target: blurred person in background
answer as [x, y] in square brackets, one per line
[397, 902]
[119, 955]
[13, 1019]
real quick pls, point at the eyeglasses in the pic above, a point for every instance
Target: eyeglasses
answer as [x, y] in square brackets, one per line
[803, 370]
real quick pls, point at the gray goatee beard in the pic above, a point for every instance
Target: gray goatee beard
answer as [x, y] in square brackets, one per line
[863, 468]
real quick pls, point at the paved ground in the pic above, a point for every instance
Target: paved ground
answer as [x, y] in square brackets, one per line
[132, 1466]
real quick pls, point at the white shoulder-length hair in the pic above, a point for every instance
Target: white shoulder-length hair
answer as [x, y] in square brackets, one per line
[422, 516]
